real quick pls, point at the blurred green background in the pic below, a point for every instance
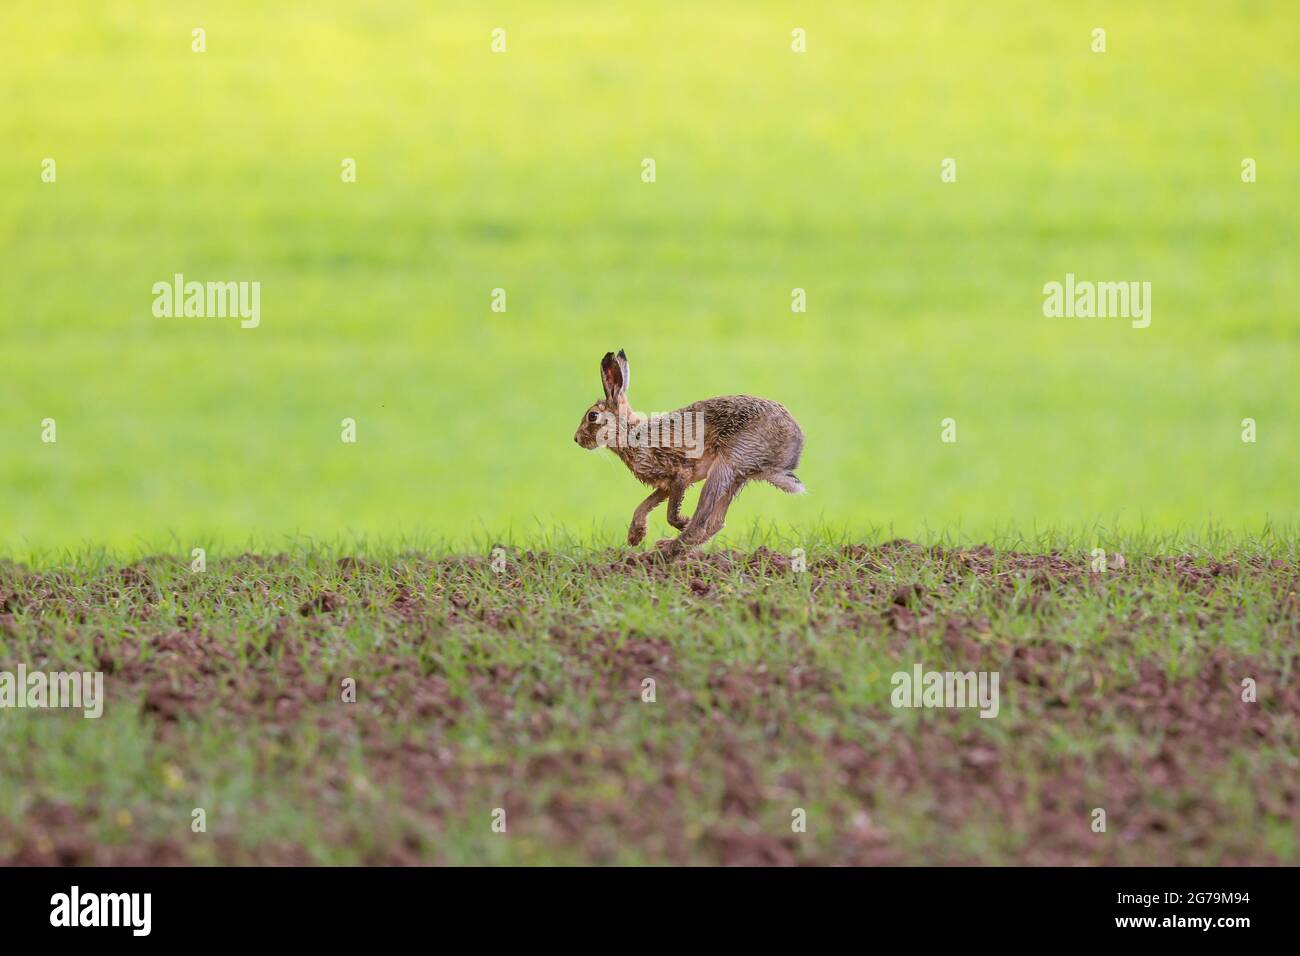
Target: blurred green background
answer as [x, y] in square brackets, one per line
[522, 170]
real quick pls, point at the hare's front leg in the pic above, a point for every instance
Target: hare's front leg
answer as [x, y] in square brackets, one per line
[676, 492]
[636, 533]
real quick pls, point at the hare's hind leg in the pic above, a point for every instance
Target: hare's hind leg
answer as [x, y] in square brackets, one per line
[636, 533]
[722, 486]
[718, 515]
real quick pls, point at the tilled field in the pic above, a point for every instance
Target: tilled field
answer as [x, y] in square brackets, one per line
[591, 707]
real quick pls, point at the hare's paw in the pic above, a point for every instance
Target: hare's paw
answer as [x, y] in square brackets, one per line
[681, 522]
[636, 534]
[669, 549]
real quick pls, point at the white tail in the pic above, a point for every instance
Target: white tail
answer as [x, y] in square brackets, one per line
[787, 482]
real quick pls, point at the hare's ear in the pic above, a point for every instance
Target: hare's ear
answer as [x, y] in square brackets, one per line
[622, 367]
[612, 375]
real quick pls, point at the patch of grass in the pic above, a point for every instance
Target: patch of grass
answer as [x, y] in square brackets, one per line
[522, 690]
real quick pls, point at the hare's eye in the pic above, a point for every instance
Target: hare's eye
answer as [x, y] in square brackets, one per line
[592, 416]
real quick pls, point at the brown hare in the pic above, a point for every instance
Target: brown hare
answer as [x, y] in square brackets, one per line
[723, 442]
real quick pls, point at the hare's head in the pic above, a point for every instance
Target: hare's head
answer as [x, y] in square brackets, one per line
[600, 423]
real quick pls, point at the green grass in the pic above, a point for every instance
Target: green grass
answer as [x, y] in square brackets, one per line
[522, 690]
[775, 171]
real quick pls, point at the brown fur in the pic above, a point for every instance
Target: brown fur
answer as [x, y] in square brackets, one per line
[745, 439]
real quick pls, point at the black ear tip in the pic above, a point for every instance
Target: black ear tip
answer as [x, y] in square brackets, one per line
[609, 357]
[622, 355]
